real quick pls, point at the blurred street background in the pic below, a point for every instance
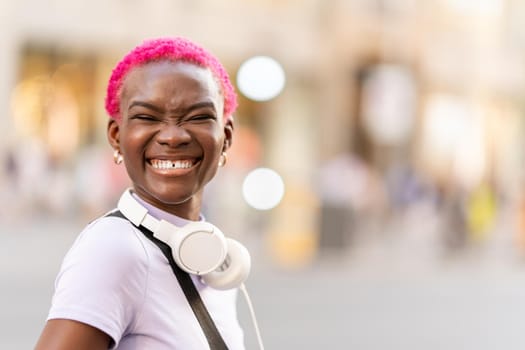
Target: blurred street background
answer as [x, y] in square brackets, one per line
[377, 172]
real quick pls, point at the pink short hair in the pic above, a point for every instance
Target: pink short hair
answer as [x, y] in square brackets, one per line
[171, 49]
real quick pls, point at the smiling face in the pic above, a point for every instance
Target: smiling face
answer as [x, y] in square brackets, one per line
[171, 133]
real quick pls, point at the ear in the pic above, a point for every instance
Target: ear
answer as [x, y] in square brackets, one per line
[228, 133]
[113, 133]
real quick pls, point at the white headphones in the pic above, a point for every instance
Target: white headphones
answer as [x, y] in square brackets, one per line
[199, 248]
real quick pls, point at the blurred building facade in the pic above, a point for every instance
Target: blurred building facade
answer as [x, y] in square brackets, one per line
[392, 109]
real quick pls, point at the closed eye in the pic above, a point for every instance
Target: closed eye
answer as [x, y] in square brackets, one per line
[144, 117]
[202, 117]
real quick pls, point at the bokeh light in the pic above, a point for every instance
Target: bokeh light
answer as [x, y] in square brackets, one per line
[261, 78]
[263, 188]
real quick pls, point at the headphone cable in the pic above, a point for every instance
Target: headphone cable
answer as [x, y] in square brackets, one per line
[252, 314]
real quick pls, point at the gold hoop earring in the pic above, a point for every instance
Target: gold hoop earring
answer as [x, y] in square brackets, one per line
[223, 159]
[117, 157]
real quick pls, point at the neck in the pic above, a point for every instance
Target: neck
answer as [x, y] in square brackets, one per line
[189, 209]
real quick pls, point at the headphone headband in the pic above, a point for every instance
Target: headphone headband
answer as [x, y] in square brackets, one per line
[139, 216]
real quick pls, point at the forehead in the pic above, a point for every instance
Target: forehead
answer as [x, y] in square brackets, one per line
[167, 74]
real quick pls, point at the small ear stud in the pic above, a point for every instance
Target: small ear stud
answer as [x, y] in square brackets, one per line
[117, 157]
[223, 159]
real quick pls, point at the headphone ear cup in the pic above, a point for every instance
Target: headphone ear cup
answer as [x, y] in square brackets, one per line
[198, 247]
[235, 269]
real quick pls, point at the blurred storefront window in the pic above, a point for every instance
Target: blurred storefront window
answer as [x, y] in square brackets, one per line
[53, 100]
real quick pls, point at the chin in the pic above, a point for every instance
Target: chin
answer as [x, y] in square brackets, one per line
[171, 196]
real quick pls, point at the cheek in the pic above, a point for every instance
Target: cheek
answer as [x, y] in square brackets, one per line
[211, 138]
[133, 141]
[218, 142]
[213, 149]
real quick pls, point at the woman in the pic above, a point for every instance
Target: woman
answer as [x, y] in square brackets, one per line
[171, 105]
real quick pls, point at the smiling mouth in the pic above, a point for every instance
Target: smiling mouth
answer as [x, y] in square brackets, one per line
[164, 164]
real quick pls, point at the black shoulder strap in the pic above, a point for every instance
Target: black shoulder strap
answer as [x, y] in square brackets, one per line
[192, 294]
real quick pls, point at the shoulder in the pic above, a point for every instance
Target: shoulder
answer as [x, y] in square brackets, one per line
[112, 234]
[111, 244]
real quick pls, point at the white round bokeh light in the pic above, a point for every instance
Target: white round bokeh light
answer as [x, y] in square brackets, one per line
[261, 78]
[263, 188]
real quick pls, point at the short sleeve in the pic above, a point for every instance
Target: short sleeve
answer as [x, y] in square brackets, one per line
[103, 278]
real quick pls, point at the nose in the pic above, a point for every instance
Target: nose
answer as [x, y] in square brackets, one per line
[173, 135]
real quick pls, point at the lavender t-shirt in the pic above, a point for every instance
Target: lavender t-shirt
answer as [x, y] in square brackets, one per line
[115, 279]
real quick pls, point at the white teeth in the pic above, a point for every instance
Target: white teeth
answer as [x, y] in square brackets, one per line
[167, 164]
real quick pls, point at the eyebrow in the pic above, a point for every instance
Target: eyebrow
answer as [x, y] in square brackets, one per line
[198, 105]
[145, 105]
